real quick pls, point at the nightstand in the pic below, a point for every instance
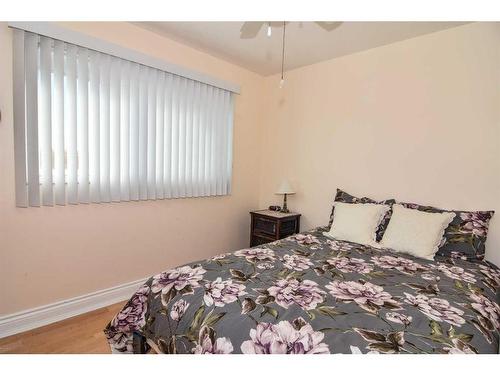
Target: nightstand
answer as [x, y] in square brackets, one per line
[268, 226]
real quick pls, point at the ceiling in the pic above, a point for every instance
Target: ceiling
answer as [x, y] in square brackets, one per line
[306, 42]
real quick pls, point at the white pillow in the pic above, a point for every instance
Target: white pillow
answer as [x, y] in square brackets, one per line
[357, 222]
[415, 232]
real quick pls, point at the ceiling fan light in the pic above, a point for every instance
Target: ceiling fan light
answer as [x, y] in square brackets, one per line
[269, 30]
[282, 83]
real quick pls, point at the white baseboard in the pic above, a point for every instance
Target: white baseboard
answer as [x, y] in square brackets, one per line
[54, 312]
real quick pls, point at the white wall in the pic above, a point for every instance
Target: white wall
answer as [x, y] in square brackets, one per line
[417, 120]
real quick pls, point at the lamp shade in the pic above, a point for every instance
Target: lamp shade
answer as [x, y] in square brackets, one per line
[285, 188]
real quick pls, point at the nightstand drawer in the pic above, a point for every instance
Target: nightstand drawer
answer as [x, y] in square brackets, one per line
[266, 226]
[288, 227]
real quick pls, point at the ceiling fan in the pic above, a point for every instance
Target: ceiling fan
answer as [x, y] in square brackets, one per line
[250, 29]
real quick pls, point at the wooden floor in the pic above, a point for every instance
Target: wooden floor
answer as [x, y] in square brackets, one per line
[81, 334]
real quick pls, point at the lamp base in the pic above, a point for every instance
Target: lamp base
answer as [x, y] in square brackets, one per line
[285, 208]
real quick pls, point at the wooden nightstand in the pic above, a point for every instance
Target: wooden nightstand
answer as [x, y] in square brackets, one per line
[268, 226]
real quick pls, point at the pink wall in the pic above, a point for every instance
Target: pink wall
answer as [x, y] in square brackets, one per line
[54, 253]
[417, 120]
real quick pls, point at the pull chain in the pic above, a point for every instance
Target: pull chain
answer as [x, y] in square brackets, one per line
[282, 81]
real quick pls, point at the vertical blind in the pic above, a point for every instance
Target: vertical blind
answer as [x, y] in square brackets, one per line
[91, 127]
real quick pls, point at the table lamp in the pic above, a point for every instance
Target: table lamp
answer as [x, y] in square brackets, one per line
[285, 189]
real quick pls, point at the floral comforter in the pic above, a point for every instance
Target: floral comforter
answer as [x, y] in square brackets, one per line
[308, 294]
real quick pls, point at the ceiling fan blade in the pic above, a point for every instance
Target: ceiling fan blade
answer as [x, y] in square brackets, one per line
[328, 26]
[250, 29]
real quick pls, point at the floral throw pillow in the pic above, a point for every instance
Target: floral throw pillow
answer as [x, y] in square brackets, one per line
[344, 197]
[465, 237]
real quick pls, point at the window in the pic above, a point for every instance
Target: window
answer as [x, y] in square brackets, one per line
[91, 127]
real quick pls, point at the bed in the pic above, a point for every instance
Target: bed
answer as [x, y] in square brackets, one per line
[309, 294]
